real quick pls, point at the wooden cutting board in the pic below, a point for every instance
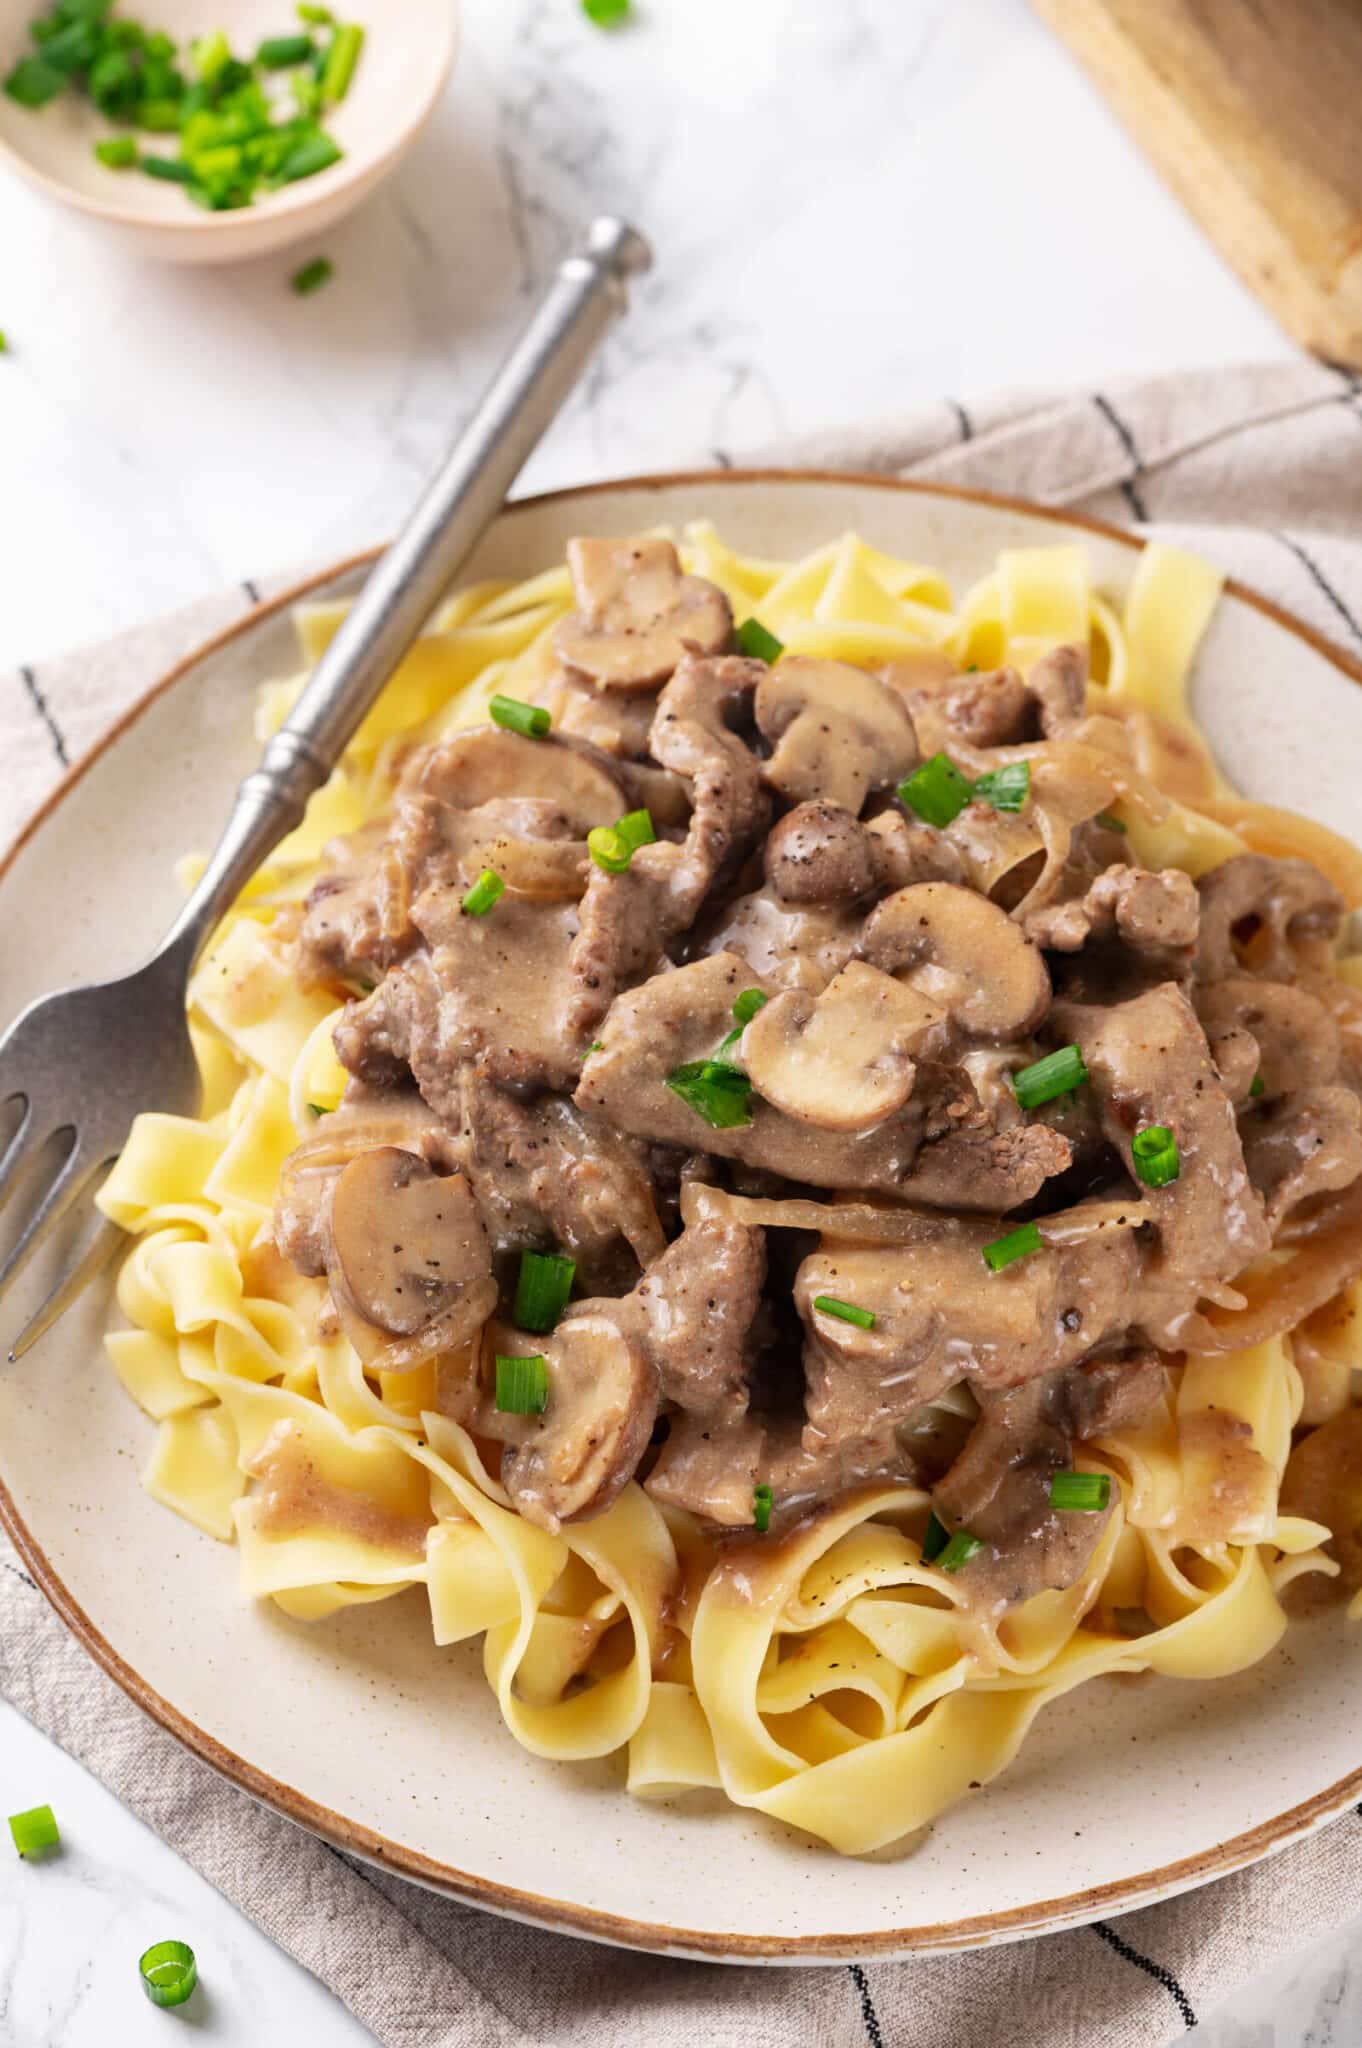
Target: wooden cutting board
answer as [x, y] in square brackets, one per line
[1252, 110]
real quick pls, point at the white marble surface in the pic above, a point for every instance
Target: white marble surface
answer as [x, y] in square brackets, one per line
[854, 208]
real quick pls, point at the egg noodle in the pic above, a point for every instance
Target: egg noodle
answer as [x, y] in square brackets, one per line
[830, 1678]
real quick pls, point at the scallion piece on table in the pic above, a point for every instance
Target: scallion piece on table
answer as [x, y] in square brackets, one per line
[315, 153]
[311, 278]
[961, 1548]
[542, 1289]
[522, 1385]
[609, 849]
[607, 13]
[487, 890]
[169, 1972]
[1080, 1493]
[172, 170]
[1155, 1153]
[341, 60]
[636, 828]
[937, 791]
[118, 153]
[1257, 1087]
[715, 1090]
[531, 721]
[935, 1537]
[1059, 1073]
[1018, 1244]
[761, 1509]
[1007, 788]
[755, 642]
[34, 1831]
[276, 53]
[845, 1311]
[1109, 823]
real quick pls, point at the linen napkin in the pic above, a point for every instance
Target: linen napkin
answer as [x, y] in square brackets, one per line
[1260, 469]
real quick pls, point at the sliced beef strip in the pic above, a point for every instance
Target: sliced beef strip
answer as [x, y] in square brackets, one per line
[1262, 916]
[616, 721]
[698, 1303]
[1150, 1064]
[999, 1486]
[1306, 1143]
[1154, 914]
[1296, 1042]
[788, 945]
[712, 1469]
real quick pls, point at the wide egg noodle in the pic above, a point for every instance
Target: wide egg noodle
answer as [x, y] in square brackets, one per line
[833, 1679]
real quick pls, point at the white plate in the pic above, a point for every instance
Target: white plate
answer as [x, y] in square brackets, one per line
[360, 1728]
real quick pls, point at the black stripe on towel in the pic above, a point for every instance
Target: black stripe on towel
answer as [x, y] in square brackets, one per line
[873, 2033]
[23, 1577]
[1157, 1971]
[44, 711]
[1130, 485]
[250, 589]
[1321, 582]
[962, 419]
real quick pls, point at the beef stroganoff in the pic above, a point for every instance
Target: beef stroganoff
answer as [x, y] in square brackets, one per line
[789, 1152]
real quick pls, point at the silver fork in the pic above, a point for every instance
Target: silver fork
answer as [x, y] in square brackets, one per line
[80, 1065]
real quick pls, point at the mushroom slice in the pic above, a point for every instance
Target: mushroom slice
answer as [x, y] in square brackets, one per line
[407, 1254]
[577, 1457]
[548, 870]
[965, 953]
[636, 613]
[489, 765]
[843, 1060]
[838, 731]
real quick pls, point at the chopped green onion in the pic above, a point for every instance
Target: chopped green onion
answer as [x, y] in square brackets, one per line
[487, 890]
[1059, 1073]
[1257, 1087]
[761, 1509]
[714, 1090]
[1080, 1493]
[935, 1538]
[318, 1109]
[607, 13]
[597, 1045]
[1155, 1153]
[636, 828]
[609, 849]
[312, 277]
[754, 640]
[1109, 823]
[845, 1311]
[119, 153]
[1005, 788]
[4, 344]
[522, 1385]
[937, 791]
[542, 1289]
[1018, 1244]
[159, 117]
[320, 17]
[34, 1831]
[341, 60]
[211, 54]
[170, 169]
[749, 1002]
[316, 153]
[961, 1548]
[33, 82]
[531, 721]
[169, 1972]
[278, 51]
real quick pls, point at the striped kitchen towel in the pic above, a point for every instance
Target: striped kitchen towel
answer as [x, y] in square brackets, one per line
[1259, 468]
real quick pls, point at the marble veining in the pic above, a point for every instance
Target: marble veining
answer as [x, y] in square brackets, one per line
[855, 209]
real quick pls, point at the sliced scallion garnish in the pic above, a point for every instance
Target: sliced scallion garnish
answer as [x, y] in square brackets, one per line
[117, 153]
[636, 829]
[487, 890]
[341, 60]
[1018, 1244]
[748, 1003]
[961, 1548]
[169, 1972]
[845, 1311]
[609, 849]
[532, 721]
[934, 1538]
[1080, 1493]
[34, 1831]
[1257, 1087]
[761, 1509]
[277, 52]
[715, 1090]
[522, 1385]
[1155, 1153]
[754, 641]
[542, 1289]
[937, 791]
[1109, 823]
[1059, 1073]
[1005, 788]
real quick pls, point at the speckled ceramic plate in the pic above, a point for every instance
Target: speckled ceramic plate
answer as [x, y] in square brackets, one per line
[360, 1728]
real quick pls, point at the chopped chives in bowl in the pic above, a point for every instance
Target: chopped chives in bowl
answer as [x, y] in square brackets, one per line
[1059, 1073]
[844, 1311]
[35, 1831]
[1155, 1153]
[169, 1972]
[1081, 1493]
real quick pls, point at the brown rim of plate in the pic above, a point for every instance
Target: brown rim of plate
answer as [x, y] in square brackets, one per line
[555, 1914]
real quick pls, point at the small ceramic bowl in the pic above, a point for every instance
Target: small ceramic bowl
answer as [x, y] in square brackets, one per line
[408, 53]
